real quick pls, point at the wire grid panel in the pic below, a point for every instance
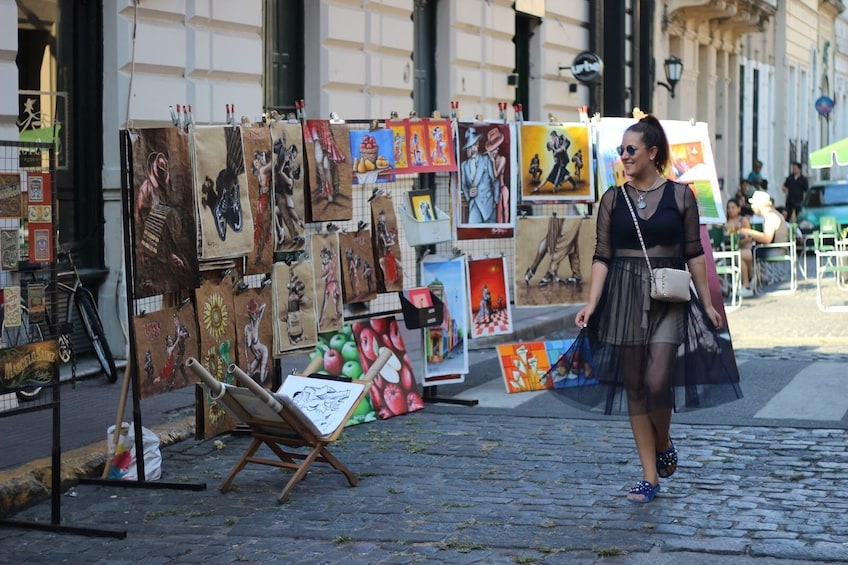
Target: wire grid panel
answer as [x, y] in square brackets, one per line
[496, 247]
[23, 162]
[388, 303]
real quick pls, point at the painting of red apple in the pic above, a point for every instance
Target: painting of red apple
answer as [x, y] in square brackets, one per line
[340, 357]
[395, 390]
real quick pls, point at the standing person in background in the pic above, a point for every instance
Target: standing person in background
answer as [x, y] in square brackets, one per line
[755, 177]
[795, 188]
[651, 356]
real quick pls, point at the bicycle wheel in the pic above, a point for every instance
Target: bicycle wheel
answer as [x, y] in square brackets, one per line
[94, 329]
[21, 335]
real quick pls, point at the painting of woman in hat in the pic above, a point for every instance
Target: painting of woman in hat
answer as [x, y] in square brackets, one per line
[494, 148]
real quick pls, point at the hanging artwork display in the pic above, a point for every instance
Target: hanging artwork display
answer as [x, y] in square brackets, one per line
[542, 245]
[490, 311]
[217, 344]
[487, 176]
[163, 341]
[327, 148]
[11, 196]
[10, 250]
[399, 151]
[373, 157]
[446, 345]
[294, 323]
[252, 310]
[326, 269]
[289, 186]
[692, 163]
[358, 276]
[554, 162]
[163, 213]
[223, 206]
[608, 134]
[422, 145]
[257, 150]
[386, 245]
[340, 357]
[395, 390]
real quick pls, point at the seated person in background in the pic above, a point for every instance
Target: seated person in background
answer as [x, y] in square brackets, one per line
[734, 224]
[775, 228]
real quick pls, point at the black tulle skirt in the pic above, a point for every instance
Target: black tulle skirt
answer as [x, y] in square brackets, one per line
[638, 355]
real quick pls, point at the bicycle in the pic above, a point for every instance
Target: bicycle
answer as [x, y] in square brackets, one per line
[81, 300]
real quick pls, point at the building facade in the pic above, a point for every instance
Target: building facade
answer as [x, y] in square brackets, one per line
[752, 69]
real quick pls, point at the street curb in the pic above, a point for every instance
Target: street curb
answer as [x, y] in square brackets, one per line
[558, 321]
[30, 483]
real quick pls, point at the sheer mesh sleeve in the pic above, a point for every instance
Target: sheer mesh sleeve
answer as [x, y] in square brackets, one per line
[691, 226]
[603, 247]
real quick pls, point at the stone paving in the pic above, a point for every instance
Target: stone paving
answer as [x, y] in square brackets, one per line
[447, 486]
[451, 485]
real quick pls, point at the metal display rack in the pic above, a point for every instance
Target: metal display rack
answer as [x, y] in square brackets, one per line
[38, 329]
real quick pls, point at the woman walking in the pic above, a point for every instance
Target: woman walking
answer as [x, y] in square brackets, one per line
[649, 355]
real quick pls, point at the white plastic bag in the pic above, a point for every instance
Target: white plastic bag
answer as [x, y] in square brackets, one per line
[123, 459]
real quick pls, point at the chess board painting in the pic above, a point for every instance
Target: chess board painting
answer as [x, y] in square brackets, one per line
[489, 297]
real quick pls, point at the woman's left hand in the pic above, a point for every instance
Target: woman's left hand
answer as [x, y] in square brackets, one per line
[713, 316]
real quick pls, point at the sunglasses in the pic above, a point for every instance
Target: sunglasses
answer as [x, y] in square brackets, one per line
[631, 150]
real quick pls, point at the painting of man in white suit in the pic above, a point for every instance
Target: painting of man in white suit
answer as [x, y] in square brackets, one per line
[477, 180]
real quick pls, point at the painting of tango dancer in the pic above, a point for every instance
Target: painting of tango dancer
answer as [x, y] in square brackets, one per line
[164, 340]
[386, 244]
[326, 265]
[289, 189]
[553, 163]
[327, 148]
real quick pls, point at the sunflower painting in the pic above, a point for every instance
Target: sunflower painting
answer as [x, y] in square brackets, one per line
[217, 343]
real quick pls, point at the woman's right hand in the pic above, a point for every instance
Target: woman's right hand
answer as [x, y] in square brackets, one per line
[582, 317]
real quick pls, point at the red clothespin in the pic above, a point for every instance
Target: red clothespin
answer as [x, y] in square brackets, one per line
[519, 112]
[228, 115]
[180, 118]
[502, 110]
[299, 106]
[454, 108]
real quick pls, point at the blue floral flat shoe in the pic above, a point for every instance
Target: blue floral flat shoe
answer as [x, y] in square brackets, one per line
[667, 462]
[644, 489]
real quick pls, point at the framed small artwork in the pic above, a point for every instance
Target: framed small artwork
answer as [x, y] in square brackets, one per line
[421, 205]
[420, 297]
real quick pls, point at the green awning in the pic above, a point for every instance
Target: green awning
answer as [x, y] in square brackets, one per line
[824, 157]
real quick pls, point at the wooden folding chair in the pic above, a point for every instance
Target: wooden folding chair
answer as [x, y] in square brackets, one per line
[278, 422]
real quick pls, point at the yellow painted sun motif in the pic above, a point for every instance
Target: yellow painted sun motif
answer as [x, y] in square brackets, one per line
[215, 316]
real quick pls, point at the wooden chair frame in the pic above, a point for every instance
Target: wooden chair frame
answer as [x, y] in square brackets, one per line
[278, 423]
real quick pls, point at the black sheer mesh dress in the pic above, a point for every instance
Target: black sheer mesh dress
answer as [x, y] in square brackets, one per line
[665, 355]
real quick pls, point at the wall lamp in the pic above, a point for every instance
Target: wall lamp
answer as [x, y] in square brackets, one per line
[673, 71]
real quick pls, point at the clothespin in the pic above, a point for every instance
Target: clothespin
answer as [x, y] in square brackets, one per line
[274, 116]
[457, 252]
[583, 114]
[436, 115]
[552, 119]
[231, 109]
[241, 287]
[502, 111]
[454, 104]
[361, 226]
[413, 115]
[375, 193]
[374, 125]
[226, 273]
[299, 106]
[479, 118]
[174, 119]
[189, 117]
[691, 121]
[519, 112]
[142, 314]
[335, 119]
[183, 302]
[393, 115]
[180, 117]
[331, 227]
[267, 280]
